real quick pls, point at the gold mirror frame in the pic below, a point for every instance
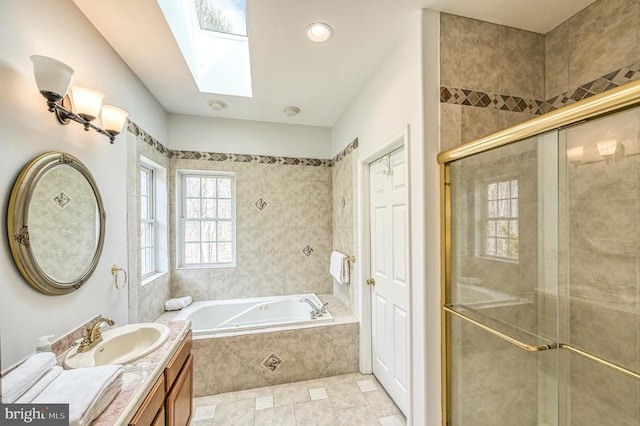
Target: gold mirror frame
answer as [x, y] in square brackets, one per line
[18, 223]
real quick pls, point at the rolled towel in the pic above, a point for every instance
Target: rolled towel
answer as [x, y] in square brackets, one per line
[20, 379]
[40, 385]
[339, 267]
[177, 303]
[86, 390]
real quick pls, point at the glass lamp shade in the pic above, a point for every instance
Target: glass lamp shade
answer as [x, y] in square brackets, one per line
[86, 102]
[113, 119]
[574, 155]
[52, 77]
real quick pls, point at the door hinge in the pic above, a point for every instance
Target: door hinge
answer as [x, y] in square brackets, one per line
[371, 281]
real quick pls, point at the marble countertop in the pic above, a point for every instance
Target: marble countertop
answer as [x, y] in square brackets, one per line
[140, 376]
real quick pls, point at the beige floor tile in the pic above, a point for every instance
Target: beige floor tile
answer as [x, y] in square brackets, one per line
[290, 394]
[264, 402]
[366, 385]
[396, 420]
[381, 403]
[204, 401]
[253, 393]
[204, 413]
[345, 395]
[357, 416]
[315, 413]
[237, 413]
[318, 393]
[278, 416]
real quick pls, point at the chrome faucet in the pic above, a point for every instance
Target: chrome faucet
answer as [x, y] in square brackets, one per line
[93, 335]
[315, 310]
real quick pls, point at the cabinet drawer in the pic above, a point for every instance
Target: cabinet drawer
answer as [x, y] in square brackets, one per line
[179, 404]
[153, 403]
[178, 360]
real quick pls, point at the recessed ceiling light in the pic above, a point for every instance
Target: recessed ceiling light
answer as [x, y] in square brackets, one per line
[319, 32]
[217, 104]
[291, 111]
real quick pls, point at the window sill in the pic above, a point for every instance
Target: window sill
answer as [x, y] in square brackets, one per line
[152, 278]
[229, 266]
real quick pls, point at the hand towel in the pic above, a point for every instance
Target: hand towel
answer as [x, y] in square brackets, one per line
[86, 390]
[19, 380]
[339, 267]
[40, 385]
[177, 303]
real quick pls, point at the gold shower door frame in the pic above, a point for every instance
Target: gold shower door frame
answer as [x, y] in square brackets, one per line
[611, 101]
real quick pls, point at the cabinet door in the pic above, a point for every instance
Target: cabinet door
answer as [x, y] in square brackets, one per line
[180, 397]
[151, 406]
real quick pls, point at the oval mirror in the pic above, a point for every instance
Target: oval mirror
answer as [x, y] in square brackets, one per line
[56, 223]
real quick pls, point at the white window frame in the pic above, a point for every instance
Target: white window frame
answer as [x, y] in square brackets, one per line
[181, 207]
[485, 218]
[150, 221]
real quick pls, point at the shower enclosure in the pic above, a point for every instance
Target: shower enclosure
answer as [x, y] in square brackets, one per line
[541, 272]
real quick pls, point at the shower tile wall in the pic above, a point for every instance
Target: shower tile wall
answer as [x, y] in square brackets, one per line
[146, 302]
[283, 247]
[344, 214]
[603, 265]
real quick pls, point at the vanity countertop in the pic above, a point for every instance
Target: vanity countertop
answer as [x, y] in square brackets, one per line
[140, 376]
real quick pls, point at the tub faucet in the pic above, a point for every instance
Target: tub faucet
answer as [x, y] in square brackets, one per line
[93, 335]
[315, 310]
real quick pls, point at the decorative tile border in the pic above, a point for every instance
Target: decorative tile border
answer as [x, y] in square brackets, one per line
[237, 158]
[346, 151]
[452, 95]
[136, 130]
[246, 158]
[457, 96]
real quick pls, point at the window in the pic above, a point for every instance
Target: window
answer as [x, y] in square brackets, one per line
[207, 219]
[147, 222]
[501, 219]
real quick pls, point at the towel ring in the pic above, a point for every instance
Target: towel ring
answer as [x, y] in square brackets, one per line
[115, 271]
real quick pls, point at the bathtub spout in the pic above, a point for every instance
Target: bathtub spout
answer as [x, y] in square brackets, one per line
[315, 310]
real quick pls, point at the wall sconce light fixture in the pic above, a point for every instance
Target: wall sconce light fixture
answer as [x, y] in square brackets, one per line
[574, 155]
[611, 150]
[53, 78]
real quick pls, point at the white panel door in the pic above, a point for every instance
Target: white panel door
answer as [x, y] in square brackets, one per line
[387, 177]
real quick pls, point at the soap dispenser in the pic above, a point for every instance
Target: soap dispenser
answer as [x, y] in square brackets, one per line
[44, 343]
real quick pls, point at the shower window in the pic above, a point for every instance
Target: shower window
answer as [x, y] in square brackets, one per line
[500, 221]
[207, 220]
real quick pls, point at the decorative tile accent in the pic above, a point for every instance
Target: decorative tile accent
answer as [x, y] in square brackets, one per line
[246, 158]
[62, 200]
[457, 96]
[272, 362]
[261, 204]
[367, 385]
[264, 402]
[318, 393]
[346, 151]
[307, 251]
[148, 139]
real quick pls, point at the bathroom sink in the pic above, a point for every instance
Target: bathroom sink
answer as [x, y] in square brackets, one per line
[120, 345]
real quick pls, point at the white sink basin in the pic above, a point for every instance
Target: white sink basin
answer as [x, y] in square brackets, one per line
[120, 345]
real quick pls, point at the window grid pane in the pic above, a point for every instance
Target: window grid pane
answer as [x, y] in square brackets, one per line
[501, 231]
[208, 219]
[147, 222]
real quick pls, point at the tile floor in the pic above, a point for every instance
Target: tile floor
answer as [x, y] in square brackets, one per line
[351, 400]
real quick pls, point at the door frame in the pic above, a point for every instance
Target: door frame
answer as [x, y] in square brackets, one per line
[400, 139]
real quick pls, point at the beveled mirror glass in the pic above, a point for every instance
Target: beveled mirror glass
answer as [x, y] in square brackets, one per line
[56, 223]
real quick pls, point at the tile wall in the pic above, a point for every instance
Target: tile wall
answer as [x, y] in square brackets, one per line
[146, 302]
[283, 229]
[344, 185]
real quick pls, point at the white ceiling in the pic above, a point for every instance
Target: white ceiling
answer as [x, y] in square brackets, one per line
[287, 69]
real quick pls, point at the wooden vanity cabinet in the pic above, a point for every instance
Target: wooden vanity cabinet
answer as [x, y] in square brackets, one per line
[170, 400]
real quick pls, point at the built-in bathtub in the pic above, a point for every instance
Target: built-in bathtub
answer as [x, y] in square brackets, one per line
[221, 316]
[250, 343]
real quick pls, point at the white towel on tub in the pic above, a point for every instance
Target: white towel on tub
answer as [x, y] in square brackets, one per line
[20, 379]
[177, 303]
[88, 391]
[339, 267]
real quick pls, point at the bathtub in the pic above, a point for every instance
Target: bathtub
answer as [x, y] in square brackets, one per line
[220, 316]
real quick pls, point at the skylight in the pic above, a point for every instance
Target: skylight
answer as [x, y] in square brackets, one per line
[212, 36]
